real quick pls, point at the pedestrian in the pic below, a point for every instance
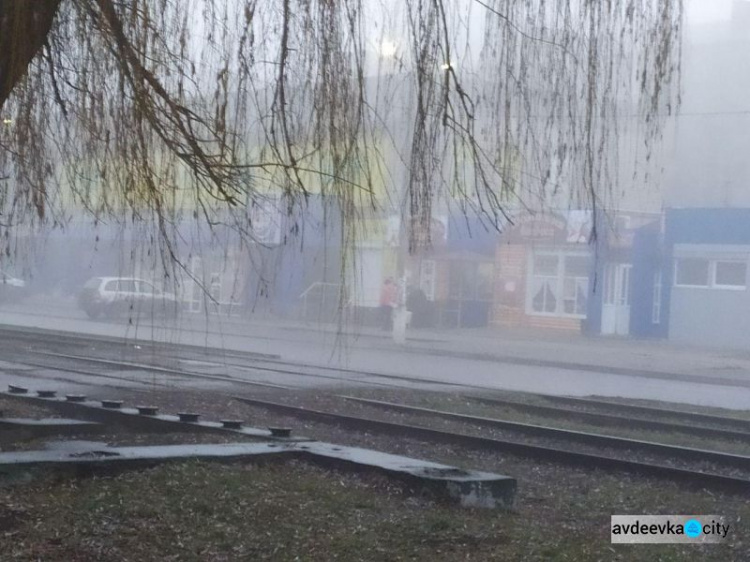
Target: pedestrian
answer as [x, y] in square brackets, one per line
[388, 300]
[418, 305]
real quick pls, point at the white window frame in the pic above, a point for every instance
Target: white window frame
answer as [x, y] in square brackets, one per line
[427, 274]
[656, 302]
[559, 283]
[716, 285]
[711, 280]
[690, 286]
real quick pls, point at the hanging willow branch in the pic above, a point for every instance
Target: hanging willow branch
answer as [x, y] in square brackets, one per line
[155, 109]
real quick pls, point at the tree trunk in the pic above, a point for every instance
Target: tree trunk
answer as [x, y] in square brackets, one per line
[24, 26]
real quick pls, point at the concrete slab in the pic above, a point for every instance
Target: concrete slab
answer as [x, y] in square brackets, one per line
[465, 487]
[74, 446]
[50, 426]
[131, 417]
[469, 488]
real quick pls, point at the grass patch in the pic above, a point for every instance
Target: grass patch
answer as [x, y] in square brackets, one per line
[198, 511]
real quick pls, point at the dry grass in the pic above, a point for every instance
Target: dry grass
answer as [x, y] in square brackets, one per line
[208, 512]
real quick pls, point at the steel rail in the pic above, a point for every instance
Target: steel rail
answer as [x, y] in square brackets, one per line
[600, 419]
[598, 439]
[296, 373]
[144, 367]
[255, 358]
[737, 423]
[537, 452]
[56, 336]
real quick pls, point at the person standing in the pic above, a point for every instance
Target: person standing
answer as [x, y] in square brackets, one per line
[388, 301]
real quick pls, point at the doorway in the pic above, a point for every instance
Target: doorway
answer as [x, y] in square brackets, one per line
[616, 306]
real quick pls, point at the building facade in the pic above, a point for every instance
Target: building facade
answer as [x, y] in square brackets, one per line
[690, 271]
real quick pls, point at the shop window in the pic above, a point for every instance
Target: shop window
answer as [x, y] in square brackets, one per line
[575, 285]
[713, 274]
[730, 274]
[559, 285]
[544, 289]
[691, 272]
[546, 265]
[215, 288]
[544, 295]
[427, 278]
[574, 296]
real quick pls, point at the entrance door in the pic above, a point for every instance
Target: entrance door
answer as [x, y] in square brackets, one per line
[616, 307]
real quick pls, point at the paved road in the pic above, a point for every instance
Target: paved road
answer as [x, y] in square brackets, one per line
[377, 354]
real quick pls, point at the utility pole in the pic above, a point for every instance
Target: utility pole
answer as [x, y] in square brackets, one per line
[400, 314]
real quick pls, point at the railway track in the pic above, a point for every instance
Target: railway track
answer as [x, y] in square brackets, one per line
[292, 370]
[254, 361]
[693, 417]
[168, 370]
[537, 452]
[611, 420]
[275, 364]
[597, 439]
[165, 371]
[52, 337]
[240, 360]
[741, 431]
[580, 408]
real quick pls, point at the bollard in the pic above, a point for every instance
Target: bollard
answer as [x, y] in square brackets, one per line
[280, 431]
[147, 410]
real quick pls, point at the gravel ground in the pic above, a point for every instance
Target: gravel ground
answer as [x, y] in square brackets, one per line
[128, 439]
[12, 408]
[714, 411]
[459, 404]
[224, 406]
[439, 399]
[561, 513]
[561, 509]
[209, 512]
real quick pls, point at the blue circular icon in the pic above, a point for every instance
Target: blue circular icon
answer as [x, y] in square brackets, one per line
[693, 528]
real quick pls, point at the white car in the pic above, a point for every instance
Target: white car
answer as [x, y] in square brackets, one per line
[115, 297]
[11, 287]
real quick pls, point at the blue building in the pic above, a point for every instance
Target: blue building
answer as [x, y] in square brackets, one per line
[690, 273]
[697, 268]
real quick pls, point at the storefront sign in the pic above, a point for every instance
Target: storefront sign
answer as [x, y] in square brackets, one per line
[573, 227]
[536, 228]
